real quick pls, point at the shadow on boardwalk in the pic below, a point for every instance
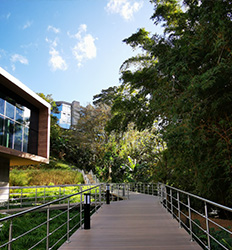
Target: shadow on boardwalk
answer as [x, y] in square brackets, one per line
[138, 223]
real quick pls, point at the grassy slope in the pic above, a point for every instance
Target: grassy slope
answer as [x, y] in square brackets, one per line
[55, 173]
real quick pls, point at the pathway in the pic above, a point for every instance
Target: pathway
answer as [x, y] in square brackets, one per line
[138, 223]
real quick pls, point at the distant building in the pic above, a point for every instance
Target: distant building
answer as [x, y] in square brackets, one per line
[68, 114]
[24, 127]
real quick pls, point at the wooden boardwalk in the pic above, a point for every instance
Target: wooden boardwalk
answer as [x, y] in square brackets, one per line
[138, 223]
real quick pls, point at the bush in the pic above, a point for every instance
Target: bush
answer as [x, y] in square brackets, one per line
[19, 178]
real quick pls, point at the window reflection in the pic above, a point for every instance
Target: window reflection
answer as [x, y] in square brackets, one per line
[2, 102]
[1, 130]
[10, 108]
[14, 124]
[8, 136]
[19, 114]
[18, 137]
[25, 139]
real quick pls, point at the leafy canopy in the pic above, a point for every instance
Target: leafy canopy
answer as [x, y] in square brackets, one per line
[183, 79]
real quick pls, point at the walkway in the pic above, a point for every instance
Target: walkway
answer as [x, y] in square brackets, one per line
[138, 223]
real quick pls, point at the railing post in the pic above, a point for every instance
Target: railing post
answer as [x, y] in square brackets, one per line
[190, 218]
[36, 195]
[178, 204]
[44, 194]
[123, 190]
[152, 189]
[171, 202]
[161, 195]
[100, 198]
[48, 222]
[8, 203]
[10, 234]
[21, 198]
[128, 191]
[68, 218]
[207, 225]
[81, 207]
[95, 198]
[158, 191]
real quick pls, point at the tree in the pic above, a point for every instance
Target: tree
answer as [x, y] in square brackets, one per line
[183, 79]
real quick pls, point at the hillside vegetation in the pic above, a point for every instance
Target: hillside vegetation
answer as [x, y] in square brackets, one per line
[55, 173]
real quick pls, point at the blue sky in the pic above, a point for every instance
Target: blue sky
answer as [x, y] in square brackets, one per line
[71, 49]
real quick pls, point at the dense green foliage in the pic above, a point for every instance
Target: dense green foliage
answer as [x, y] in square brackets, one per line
[114, 157]
[183, 80]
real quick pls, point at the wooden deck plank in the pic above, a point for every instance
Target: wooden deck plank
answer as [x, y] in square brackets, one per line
[138, 223]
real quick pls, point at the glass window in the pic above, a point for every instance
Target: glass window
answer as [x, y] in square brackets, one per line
[2, 102]
[8, 135]
[1, 131]
[10, 110]
[18, 124]
[19, 114]
[18, 137]
[25, 139]
[27, 116]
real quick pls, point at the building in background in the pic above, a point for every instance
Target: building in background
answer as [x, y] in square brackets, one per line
[24, 128]
[68, 114]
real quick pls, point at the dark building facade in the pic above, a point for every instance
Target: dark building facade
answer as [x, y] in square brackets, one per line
[24, 126]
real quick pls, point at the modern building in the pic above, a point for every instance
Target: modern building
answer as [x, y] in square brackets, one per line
[68, 114]
[24, 127]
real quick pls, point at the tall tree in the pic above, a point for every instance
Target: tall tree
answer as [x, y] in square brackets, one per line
[183, 79]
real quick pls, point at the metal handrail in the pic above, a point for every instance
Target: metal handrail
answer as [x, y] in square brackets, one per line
[170, 198]
[198, 197]
[97, 201]
[173, 205]
[178, 202]
[46, 204]
[42, 194]
[97, 196]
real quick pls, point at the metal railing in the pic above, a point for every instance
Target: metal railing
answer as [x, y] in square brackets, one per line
[197, 216]
[36, 195]
[69, 218]
[192, 212]
[144, 188]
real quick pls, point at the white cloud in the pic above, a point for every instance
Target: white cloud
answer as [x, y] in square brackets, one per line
[53, 29]
[56, 61]
[19, 58]
[126, 8]
[27, 25]
[85, 48]
[52, 43]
